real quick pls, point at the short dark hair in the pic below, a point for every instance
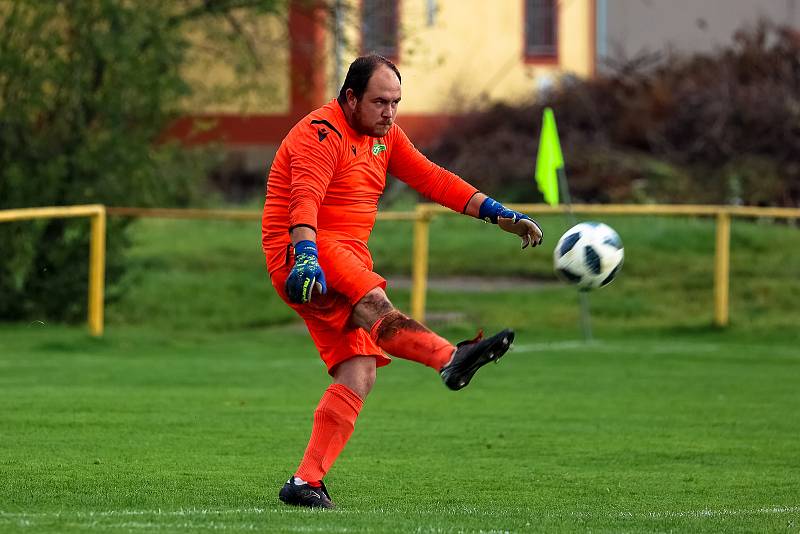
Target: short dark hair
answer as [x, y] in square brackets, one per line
[360, 72]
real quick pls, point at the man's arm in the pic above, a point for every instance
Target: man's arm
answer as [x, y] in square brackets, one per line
[429, 179]
[473, 208]
[306, 275]
[444, 187]
[509, 220]
[313, 162]
[302, 233]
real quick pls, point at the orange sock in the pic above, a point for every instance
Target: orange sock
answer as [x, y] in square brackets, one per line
[405, 338]
[334, 420]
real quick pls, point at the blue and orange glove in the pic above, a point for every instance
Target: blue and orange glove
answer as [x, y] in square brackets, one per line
[306, 275]
[511, 221]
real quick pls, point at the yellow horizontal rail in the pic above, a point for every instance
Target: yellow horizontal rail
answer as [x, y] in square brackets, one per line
[754, 211]
[435, 209]
[645, 209]
[185, 213]
[97, 250]
[225, 215]
[58, 212]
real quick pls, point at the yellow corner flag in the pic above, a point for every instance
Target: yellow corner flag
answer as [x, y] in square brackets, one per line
[549, 159]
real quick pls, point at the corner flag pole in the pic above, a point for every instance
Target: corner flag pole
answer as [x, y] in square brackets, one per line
[551, 176]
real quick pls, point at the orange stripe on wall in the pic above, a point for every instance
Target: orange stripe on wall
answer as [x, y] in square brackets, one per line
[230, 129]
[261, 130]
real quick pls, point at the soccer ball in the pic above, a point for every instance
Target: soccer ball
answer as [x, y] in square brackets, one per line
[588, 255]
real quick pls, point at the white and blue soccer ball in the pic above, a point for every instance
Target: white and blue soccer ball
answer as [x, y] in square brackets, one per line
[588, 255]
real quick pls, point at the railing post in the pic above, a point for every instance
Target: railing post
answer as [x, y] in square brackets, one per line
[419, 267]
[722, 268]
[97, 271]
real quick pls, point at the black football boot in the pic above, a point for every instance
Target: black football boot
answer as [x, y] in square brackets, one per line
[305, 495]
[473, 354]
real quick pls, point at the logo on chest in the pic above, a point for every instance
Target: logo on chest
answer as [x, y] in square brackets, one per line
[377, 148]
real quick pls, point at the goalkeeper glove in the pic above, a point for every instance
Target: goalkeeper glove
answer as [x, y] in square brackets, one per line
[511, 221]
[306, 275]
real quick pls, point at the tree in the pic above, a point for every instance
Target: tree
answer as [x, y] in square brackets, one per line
[86, 90]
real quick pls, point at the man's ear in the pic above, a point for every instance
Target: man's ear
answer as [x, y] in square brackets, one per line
[351, 99]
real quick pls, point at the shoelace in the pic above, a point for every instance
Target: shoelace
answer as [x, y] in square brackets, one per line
[472, 341]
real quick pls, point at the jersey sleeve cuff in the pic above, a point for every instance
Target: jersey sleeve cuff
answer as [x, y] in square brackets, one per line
[301, 225]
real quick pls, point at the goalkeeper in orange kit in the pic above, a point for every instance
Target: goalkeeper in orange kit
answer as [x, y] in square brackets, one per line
[321, 203]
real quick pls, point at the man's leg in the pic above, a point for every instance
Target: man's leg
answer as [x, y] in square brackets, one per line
[398, 334]
[406, 338]
[334, 420]
[335, 416]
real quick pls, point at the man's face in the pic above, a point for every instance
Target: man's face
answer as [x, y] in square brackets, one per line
[374, 114]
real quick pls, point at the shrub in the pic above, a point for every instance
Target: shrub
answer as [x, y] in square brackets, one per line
[718, 128]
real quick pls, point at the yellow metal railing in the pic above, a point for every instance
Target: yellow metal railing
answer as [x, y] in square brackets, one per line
[723, 214]
[425, 213]
[422, 217]
[97, 249]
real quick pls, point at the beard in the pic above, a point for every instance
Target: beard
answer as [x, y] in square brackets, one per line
[366, 128]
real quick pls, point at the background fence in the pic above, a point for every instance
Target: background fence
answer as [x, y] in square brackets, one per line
[97, 250]
[422, 217]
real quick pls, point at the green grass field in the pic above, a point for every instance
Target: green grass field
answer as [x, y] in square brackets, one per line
[196, 405]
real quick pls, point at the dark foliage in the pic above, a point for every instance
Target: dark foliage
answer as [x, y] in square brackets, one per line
[717, 128]
[86, 90]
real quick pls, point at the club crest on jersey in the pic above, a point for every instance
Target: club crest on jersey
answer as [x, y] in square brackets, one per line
[322, 133]
[377, 148]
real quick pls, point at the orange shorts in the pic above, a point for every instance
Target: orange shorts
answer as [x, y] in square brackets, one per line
[348, 275]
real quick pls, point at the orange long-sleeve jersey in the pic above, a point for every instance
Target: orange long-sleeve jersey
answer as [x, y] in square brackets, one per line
[328, 177]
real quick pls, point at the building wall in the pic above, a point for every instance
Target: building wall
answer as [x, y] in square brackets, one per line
[627, 28]
[454, 55]
[221, 87]
[471, 51]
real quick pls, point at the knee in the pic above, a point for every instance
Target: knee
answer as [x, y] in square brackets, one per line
[358, 374]
[370, 308]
